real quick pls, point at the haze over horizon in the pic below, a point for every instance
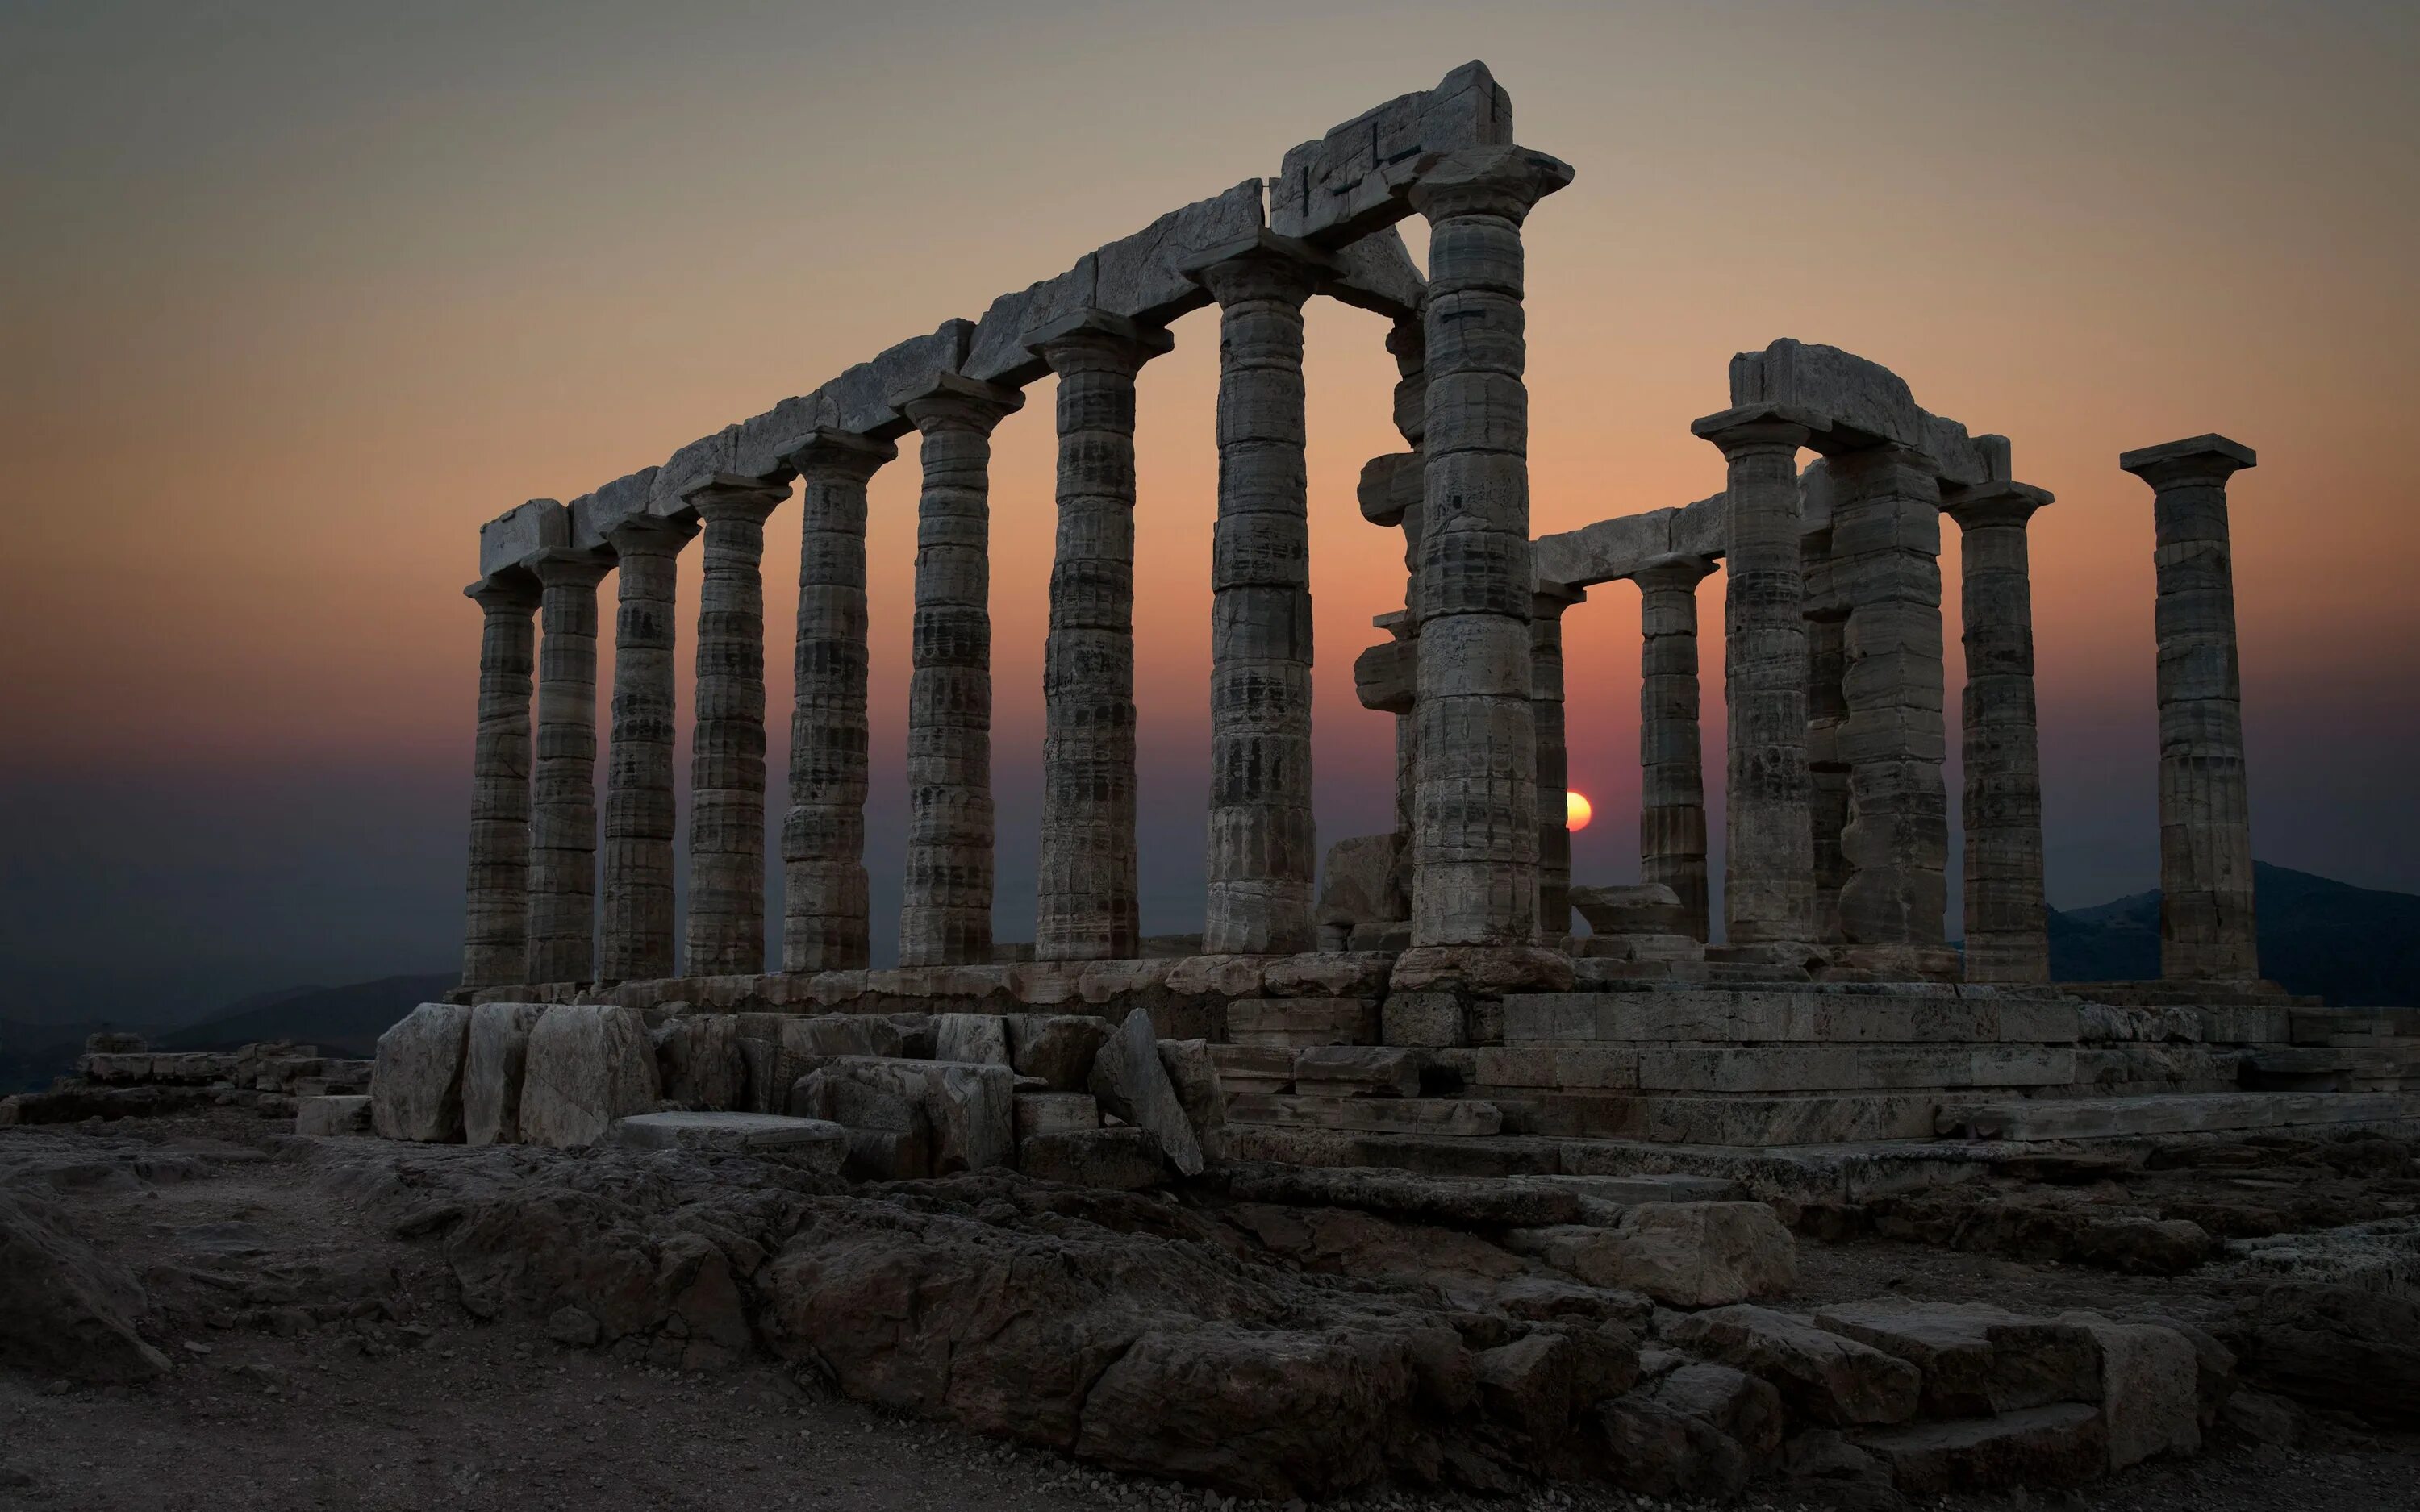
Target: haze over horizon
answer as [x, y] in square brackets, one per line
[300, 294]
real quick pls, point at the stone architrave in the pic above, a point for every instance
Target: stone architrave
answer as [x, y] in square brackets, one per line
[1086, 906]
[945, 913]
[1885, 568]
[2007, 938]
[1263, 846]
[823, 898]
[562, 801]
[1672, 779]
[637, 943]
[2206, 914]
[1546, 608]
[727, 820]
[1474, 823]
[495, 949]
[1769, 865]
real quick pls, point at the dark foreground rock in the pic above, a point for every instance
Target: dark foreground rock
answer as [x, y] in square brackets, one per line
[63, 1310]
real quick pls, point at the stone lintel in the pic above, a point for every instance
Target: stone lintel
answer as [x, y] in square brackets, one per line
[1549, 600]
[2212, 457]
[1352, 181]
[1260, 243]
[1857, 404]
[594, 516]
[516, 537]
[1101, 323]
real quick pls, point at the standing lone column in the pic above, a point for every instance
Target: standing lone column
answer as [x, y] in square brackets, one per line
[1085, 905]
[495, 949]
[726, 772]
[2205, 918]
[1475, 826]
[1546, 609]
[2007, 938]
[1769, 866]
[945, 917]
[1263, 846]
[1671, 770]
[563, 814]
[637, 943]
[824, 903]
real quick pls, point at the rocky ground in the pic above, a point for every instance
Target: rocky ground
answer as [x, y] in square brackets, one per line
[349, 1323]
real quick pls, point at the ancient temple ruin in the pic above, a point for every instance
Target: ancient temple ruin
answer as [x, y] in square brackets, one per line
[1424, 1000]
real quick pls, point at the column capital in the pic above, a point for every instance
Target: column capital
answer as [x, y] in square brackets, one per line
[569, 568]
[1263, 265]
[1487, 180]
[1547, 600]
[640, 535]
[732, 496]
[952, 401]
[830, 454]
[1097, 341]
[1680, 570]
[2210, 458]
[1994, 504]
[1753, 428]
[513, 589]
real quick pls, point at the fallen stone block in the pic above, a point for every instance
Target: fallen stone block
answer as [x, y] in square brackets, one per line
[979, 1038]
[1056, 1047]
[2063, 1445]
[1682, 1253]
[813, 1143]
[1358, 1069]
[1823, 1376]
[889, 1138]
[1658, 1450]
[1048, 1112]
[1121, 1160]
[1748, 1410]
[1132, 1084]
[1195, 1076]
[699, 1061]
[2150, 1397]
[417, 1091]
[842, 1034]
[1977, 1359]
[331, 1115]
[970, 1109]
[1650, 909]
[587, 1065]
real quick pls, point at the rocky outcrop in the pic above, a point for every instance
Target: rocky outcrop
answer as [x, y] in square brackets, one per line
[63, 1311]
[1682, 1253]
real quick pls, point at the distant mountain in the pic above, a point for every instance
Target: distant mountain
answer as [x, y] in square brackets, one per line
[345, 1020]
[31, 1054]
[2352, 945]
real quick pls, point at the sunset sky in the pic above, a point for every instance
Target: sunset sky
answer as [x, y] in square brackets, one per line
[294, 296]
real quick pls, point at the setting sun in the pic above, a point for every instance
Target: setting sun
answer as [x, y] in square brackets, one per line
[1577, 811]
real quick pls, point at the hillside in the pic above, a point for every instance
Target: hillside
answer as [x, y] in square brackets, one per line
[2352, 945]
[345, 1020]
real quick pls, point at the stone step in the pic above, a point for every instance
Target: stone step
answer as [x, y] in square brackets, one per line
[815, 1143]
[2063, 1445]
[1298, 1023]
[1741, 1120]
[1801, 1068]
[1247, 1068]
[2097, 1118]
[1462, 1117]
[1913, 1014]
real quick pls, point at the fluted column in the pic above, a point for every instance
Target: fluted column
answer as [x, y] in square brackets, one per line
[1475, 825]
[1886, 566]
[2006, 938]
[1409, 343]
[945, 917]
[1769, 866]
[1086, 906]
[1546, 608]
[824, 903]
[636, 943]
[563, 799]
[726, 816]
[495, 950]
[1263, 845]
[1672, 782]
[2206, 906]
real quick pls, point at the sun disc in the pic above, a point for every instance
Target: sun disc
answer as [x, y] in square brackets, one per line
[1577, 810]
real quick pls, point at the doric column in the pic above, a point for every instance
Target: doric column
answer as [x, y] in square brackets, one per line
[1085, 901]
[824, 903]
[1475, 825]
[726, 774]
[1672, 782]
[1263, 846]
[495, 949]
[1409, 343]
[1546, 608]
[2205, 917]
[637, 935]
[2005, 928]
[563, 799]
[1885, 565]
[945, 918]
[1768, 872]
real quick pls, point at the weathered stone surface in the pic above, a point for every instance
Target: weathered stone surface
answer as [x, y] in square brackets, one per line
[889, 1138]
[1455, 1117]
[2062, 1444]
[493, 1068]
[971, 1109]
[327, 1116]
[813, 1143]
[724, 931]
[1049, 1112]
[1121, 1160]
[65, 1311]
[2149, 1388]
[1352, 181]
[587, 1065]
[1369, 1070]
[1430, 1020]
[1824, 1377]
[1056, 1047]
[417, 1090]
[1194, 1073]
[1274, 1023]
[699, 1062]
[1356, 881]
[1682, 1253]
[982, 1039]
[1253, 1068]
[1747, 1409]
[1656, 1449]
[842, 1034]
[1131, 1082]
[1653, 908]
[1486, 969]
[1977, 1358]
[2347, 1348]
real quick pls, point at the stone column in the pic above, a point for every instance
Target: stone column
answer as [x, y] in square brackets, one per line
[726, 774]
[1546, 608]
[2205, 916]
[2006, 938]
[1671, 770]
[945, 917]
[1085, 905]
[1475, 827]
[1263, 850]
[1769, 864]
[637, 932]
[495, 940]
[1409, 343]
[1885, 565]
[563, 799]
[823, 904]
